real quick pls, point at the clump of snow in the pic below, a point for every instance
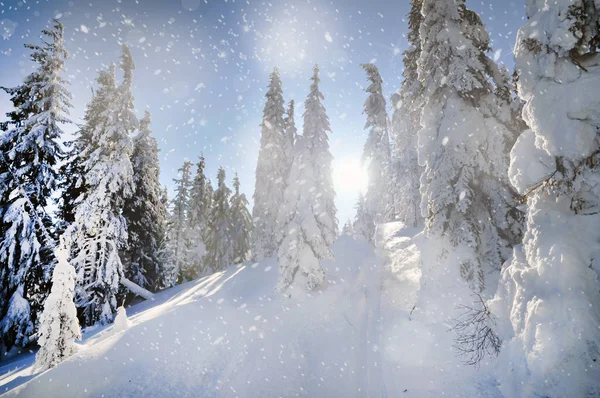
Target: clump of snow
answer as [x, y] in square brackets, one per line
[529, 164]
[121, 322]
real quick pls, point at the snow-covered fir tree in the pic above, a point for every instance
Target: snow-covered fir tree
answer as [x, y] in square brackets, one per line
[377, 152]
[99, 231]
[347, 228]
[308, 213]
[363, 225]
[167, 277]
[290, 135]
[303, 243]
[547, 304]
[210, 193]
[179, 221]
[59, 326]
[316, 131]
[405, 126]
[270, 173]
[197, 222]
[144, 212]
[219, 244]
[72, 183]
[466, 198]
[241, 224]
[29, 153]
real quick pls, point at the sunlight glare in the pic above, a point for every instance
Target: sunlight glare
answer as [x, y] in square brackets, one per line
[349, 177]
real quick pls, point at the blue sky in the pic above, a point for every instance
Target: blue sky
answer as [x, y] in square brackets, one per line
[203, 66]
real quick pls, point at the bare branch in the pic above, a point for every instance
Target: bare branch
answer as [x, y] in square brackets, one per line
[475, 336]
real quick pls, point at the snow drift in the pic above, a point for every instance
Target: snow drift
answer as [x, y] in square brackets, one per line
[231, 335]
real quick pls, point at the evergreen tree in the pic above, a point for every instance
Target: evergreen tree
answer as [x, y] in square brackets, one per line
[377, 152]
[307, 216]
[363, 226]
[72, 183]
[179, 224]
[463, 146]
[59, 327]
[270, 173]
[241, 223]
[406, 105]
[290, 136]
[316, 131]
[210, 193]
[166, 277]
[198, 213]
[144, 212]
[29, 152]
[347, 229]
[547, 304]
[219, 244]
[99, 230]
[303, 244]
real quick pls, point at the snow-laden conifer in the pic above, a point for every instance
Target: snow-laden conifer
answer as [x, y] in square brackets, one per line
[59, 326]
[219, 244]
[303, 243]
[29, 153]
[547, 304]
[270, 173]
[99, 231]
[179, 221]
[308, 213]
[363, 225]
[290, 135]
[466, 198]
[377, 152]
[197, 221]
[406, 112]
[316, 132]
[144, 212]
[241, 224]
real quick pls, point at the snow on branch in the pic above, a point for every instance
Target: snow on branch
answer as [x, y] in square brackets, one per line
[136, 289]
[475, 335]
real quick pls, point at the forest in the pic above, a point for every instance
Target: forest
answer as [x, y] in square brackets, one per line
[471, 266]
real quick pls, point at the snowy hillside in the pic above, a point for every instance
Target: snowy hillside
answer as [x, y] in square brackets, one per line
[231, 335]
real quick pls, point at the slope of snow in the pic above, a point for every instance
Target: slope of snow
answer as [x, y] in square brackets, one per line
[231, 335]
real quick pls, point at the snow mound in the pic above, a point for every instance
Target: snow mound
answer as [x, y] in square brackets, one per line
[230, 335]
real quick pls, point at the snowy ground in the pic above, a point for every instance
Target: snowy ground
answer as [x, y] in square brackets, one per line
[230, 335]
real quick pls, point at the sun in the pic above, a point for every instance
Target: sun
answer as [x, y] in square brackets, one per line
[349, 177]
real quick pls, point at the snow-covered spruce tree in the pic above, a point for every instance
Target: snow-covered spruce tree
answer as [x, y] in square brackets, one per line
[548, 301]
[405, 126]
[241, 224]
[197, 223]
[363, 225]
[303, 244]
[219, 244]
[29, 152]
[179, 222]
[210, 193]
[347, 228]
[166, 276]
[466, 199]
[72, 183]
[270, 173]
[290, 135]
[316, 131]
[144, 212]
[307, 216]
[59, 326]
[99, 231]
[376, 152]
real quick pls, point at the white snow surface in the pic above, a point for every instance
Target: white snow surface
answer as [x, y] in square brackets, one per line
[230, 335]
